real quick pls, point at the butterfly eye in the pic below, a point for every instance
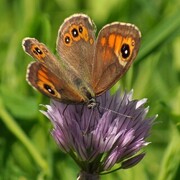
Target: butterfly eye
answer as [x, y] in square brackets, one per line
[75, 32]
[125, 51]
[49, 89]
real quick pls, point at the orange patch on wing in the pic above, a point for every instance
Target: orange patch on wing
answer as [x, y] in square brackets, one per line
[128, 41]
[40, 84]
[91, 41]
[133, 42]
[43, 79]
[42, 71]
[42, 75]
[103, 41]
[111, 40]
[84, 35]
[118, 44]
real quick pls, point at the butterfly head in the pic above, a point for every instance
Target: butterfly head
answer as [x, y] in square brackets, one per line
[92, 103]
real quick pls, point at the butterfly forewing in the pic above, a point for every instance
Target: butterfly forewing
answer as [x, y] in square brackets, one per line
[76, 44]
[116, 48]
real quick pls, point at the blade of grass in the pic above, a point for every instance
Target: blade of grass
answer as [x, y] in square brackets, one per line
[159, 34]
[171, 158]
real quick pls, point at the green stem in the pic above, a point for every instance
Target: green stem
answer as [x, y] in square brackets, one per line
[110, 171]
[159, 34]
[86, 176]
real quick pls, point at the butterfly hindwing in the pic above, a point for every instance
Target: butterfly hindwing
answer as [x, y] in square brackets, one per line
[42, 79]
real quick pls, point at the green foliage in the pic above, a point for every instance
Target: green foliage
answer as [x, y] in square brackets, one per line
[27, 150]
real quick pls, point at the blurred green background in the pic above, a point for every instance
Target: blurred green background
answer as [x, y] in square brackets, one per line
[27, 150]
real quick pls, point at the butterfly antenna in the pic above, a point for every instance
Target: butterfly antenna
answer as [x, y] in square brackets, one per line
[121, 114]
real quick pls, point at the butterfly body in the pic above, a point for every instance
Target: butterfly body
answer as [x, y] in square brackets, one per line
[87, 66]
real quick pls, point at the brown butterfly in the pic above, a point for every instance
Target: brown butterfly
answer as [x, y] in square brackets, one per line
[88, 66]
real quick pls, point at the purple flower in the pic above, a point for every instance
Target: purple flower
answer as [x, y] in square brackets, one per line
[112, 133]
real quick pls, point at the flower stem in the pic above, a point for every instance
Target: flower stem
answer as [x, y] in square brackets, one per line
[111, 171]
[86, 176]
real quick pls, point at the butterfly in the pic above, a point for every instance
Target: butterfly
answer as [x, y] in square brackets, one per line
[88, 66]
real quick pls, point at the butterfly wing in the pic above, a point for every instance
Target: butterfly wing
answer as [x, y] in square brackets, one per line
[76, 43]
[116, 48]
[42, 79]
[41, 54]
[52, 77]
